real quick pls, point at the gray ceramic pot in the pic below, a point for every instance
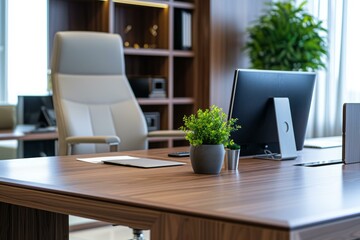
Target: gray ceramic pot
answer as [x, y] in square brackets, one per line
[207, 159]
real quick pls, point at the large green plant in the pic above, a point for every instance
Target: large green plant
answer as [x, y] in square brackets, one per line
[287, 38]
[209, 126]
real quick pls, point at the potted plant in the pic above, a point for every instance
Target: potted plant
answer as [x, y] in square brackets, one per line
[232, 155]
[286, 37]
[208, 132]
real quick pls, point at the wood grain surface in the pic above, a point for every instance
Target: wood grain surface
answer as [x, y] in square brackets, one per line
[18, 134]
[274, 199]
[21, 223]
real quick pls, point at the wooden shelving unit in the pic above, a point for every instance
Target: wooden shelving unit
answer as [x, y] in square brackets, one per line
[149, 34]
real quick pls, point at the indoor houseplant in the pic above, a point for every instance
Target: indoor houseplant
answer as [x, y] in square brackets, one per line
[286, 37]
[208, 132]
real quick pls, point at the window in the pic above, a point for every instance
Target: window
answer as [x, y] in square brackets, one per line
[2, 52]
[26, 49]
[351, 64]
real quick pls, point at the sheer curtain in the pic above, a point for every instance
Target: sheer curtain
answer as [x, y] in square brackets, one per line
[352, 71]
[326, 113]
[340, 82]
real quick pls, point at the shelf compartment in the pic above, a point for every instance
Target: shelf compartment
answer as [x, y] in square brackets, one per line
[149, 32]
[183, 77]
[151, 66]
[162, 110]
[179, 112]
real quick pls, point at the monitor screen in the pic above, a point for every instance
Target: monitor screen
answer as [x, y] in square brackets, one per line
[30, 109]
[252, 104]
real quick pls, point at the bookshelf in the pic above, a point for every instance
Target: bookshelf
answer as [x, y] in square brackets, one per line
[149, 34]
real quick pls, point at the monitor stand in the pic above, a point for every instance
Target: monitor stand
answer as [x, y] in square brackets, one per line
[285, 132]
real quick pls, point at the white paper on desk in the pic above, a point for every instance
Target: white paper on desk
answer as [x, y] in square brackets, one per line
[100, 159]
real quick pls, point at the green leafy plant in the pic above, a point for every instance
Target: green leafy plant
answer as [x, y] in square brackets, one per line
[232, 145]
[208, 127]
[287, 38]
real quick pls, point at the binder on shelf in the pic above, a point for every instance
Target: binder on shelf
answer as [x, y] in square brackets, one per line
[183, 30]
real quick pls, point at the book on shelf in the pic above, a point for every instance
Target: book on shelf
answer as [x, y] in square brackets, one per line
[183, 30]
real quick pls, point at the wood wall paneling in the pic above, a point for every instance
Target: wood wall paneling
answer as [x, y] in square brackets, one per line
[229, 21]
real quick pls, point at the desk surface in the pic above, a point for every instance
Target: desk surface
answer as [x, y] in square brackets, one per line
[261, 192]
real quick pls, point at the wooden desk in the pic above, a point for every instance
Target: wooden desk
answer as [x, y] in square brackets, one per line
[19, 133]
[262, 200]
[30, 144]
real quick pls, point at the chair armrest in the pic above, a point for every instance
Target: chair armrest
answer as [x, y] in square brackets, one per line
[112, 141]
[93, 139]
[167, 133]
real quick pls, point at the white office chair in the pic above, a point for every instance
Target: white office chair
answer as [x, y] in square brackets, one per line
[93, 101]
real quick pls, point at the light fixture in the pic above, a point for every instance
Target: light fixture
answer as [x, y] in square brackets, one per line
[142, 3]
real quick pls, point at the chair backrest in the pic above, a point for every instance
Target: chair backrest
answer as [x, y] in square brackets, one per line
[8, 116]
[91, 93]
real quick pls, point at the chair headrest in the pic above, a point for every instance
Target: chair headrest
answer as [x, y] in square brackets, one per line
[87, 53]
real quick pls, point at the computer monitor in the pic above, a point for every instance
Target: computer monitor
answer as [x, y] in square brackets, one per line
[34, 110]
[252, 104]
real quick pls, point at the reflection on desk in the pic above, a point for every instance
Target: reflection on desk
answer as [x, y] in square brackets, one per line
[324, 142]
